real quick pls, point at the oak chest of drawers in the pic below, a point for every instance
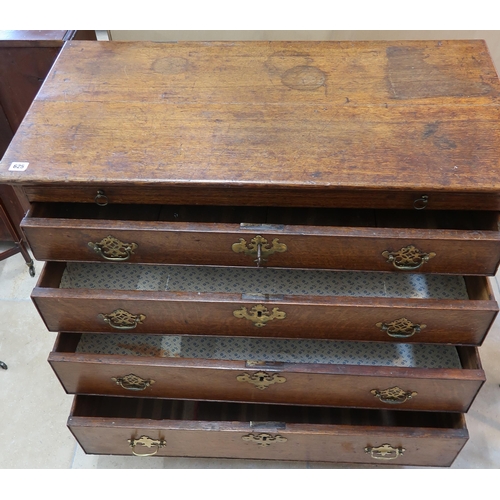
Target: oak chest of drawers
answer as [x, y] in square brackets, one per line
[267, 250]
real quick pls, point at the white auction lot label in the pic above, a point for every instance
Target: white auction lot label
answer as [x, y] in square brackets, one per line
[18, 166]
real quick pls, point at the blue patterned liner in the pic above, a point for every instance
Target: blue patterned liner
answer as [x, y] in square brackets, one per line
[262, 281]
[264, 349]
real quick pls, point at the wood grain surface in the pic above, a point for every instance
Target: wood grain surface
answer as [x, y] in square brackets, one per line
[341, 318]
[290, 116]
[104, 426]
[440, 389]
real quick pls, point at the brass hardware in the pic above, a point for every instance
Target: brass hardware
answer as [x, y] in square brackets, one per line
[132, 382]
[122, 320]
[270, 365]
[401, 328]
[261, 380]
[267, 425]
[264, 439]
[259, 297]
[385, 452]
[101, 199]
[408, 258]
[259, 247]
[394, 395]
[259, 314]
[111, 248]
[148, 443]
[421, 203]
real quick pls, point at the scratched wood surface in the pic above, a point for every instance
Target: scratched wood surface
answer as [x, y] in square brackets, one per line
[413, 115]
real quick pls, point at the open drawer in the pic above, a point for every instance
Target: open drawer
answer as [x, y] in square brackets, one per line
[446, 242]
[287, 303]
[145, 427]
[299, 372]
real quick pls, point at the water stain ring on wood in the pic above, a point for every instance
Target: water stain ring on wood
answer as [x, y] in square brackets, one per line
[170, 65]
[303, 78]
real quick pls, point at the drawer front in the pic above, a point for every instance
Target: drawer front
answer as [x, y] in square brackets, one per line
[343, 318]
[341, 442]
[341, 385]
[263, 196]
[445, 251]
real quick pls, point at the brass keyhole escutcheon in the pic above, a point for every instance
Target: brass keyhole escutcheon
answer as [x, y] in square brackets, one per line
[393, 395]
[261, 380]
[264, 439]
[259, 247]
[259, 314]
[408, 258]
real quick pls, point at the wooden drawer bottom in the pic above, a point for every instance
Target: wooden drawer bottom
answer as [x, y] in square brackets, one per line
[145, 427]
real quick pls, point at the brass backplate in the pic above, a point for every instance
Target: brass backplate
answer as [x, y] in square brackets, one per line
[111, 248]
[259, 314]
[259, 247]
[408, 258]
[401, 328]
[264, 439]
[132, 382]
[122, 320]
[393, 395]
[261, 380]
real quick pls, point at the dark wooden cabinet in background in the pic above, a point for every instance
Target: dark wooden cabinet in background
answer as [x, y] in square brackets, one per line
[25, 60]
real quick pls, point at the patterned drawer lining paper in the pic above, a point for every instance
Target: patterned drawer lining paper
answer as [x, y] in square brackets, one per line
[290, 351]
[262, 281]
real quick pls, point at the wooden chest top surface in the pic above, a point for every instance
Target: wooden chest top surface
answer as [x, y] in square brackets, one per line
[418, 115]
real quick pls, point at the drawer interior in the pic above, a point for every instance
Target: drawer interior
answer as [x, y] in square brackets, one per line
[264, 281]
[419, 219]
[270, 350]
[155, 409]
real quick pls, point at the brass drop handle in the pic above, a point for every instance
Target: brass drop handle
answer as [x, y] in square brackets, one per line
[259, 247]
[261, 380]
[148, 443]
[101, 199]
[259, 314]
[385, 452]
[401, 328]
[264, 439]
[132, 382]
[421, 203]
[393, 395]
[122, 320]
[408, 258]
[111, 248]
